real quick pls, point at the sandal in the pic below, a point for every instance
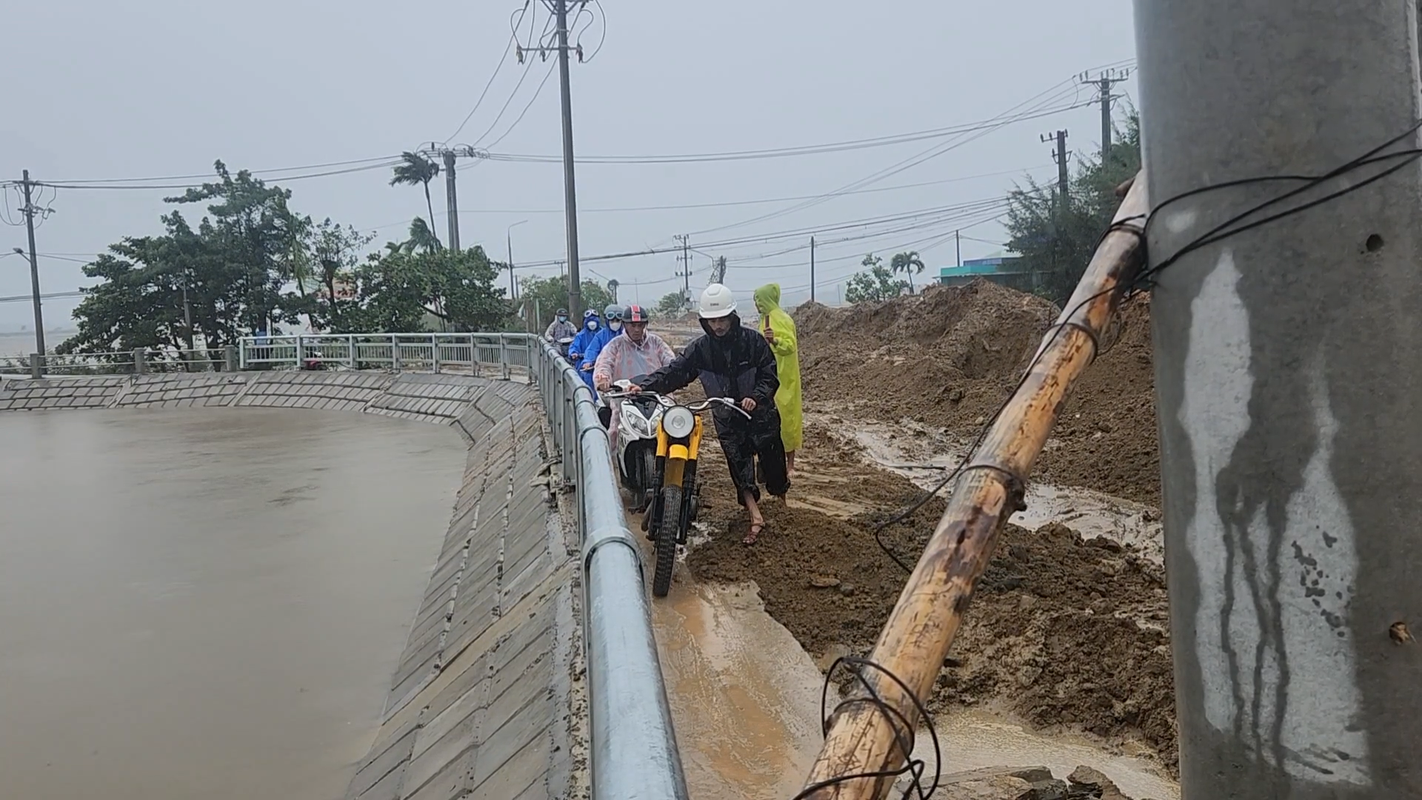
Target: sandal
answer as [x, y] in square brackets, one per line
[756, 529]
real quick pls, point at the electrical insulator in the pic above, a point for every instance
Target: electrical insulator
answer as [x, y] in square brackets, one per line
[518, 52]
[580, 54]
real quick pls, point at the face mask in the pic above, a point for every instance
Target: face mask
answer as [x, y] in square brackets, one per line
[615, 325]
[592, 324]
[562, 318]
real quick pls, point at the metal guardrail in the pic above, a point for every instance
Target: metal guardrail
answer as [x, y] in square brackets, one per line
[634, 751]
[422, 352]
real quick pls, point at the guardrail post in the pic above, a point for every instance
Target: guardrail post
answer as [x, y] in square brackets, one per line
[231, 358]
[36, 366]
[300, 352]
[504, 354]
[351, 349]
[140, 361]
[434, 352]
[395, 352]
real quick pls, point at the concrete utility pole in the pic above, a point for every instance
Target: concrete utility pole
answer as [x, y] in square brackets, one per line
[1061, 156]
[508, 240]
[812, 269]
[29, 211]
[1288, 377]
[958, 245]
[1103, 83]
[570, 193]
[451, 200]
[685, 274]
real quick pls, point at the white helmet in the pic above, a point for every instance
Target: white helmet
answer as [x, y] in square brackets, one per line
[717, 301]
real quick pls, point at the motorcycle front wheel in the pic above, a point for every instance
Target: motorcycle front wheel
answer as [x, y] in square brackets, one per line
[667, 528]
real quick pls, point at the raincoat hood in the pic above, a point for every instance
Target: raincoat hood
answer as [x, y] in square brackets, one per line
[767, 298]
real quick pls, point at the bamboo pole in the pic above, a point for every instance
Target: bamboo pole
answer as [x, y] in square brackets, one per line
[920, 631]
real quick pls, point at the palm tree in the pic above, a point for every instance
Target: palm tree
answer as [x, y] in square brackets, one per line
[612, 287]
[422, 237]
[416, 170]
[908, 263]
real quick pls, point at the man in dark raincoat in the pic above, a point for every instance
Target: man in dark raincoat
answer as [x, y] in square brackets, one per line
[734, 362]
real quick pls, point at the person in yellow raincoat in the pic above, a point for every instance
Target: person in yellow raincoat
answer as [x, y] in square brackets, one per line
[779, 332]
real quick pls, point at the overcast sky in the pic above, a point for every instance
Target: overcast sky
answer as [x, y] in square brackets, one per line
[100, 90]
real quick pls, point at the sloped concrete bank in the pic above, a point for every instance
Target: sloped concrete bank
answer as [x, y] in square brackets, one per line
[489, 692]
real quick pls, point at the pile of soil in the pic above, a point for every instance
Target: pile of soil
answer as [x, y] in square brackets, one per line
[1063, 632]
[950, 356]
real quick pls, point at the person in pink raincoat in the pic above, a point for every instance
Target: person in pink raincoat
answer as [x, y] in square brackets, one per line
[636, 352]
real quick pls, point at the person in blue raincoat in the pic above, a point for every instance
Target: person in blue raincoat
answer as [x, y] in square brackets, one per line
[580, 345]
[611, 326]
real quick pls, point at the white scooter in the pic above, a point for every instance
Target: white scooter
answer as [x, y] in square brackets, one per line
[636, 445]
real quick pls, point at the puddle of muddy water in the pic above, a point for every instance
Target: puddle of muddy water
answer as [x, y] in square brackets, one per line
[924, 458]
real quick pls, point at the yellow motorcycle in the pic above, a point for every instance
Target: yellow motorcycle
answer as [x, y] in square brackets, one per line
[674, 496]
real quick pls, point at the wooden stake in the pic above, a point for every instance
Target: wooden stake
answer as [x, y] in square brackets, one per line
[920, 631]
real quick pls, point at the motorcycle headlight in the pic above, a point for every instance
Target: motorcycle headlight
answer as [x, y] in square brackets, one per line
[633, 420]
[678, 422]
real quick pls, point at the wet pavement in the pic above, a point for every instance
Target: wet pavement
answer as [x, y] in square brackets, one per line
[207, 603]
[745, 697]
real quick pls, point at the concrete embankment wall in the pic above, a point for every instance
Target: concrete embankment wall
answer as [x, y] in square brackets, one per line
[488, 697]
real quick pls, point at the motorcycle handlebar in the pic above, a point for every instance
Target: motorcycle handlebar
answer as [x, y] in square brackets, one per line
[664, 400]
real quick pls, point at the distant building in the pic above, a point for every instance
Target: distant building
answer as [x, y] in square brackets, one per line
[1001, 269]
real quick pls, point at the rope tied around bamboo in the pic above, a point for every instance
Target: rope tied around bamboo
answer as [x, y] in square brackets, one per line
[862, 751]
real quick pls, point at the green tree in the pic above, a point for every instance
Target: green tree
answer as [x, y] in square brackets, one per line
[542, 296]
[1056, 243]
[671, 304]
[227, 274]
[875, 284]
[908, 263]
[416, 170]
[398, 290]
[336, 251]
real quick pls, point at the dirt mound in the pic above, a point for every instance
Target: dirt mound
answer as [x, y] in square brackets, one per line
[950, 356]
[1106, 438]
[1063, 631]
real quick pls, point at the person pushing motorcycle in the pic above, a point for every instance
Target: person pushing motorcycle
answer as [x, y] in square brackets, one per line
[736, 363]
[635, 353]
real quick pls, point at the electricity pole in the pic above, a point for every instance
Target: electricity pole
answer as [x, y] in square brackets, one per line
[508, 240]
[451, 200]
[29, 211]
[1103, 83]
[570, 191]
[1287, 378]
[570, 199]
[958, 245]
[1061, 156]
[812, 269]
[685, 274]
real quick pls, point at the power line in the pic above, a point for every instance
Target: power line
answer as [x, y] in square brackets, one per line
[1035, 103]
[731, 203]
[383, 161]
[95, 185]
[503, 59]
[788, 152]
[527, 106]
